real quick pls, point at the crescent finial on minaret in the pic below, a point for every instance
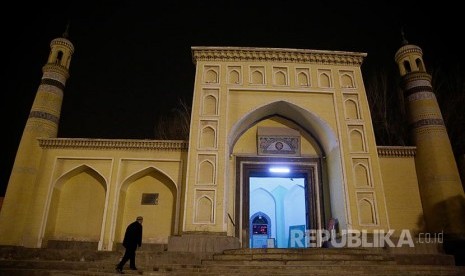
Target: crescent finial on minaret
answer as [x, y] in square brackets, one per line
[404, 40]
[66, 33]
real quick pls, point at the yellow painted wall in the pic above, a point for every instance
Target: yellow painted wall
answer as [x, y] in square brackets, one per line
[92, 193]
[159, 219]
[321, 103]
[402, 194]
[80, 207]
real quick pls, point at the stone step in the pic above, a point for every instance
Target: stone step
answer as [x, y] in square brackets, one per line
[43, 268]
[52, 264]
[296, 262]
[21, 253]
[310, 270]
[72, 265]
[318, 261]
[332, 255]
[144, 257]
[302, 251]
[279, 256]
[424, 259]
[427, 259]
[82, 245]
[150, 247]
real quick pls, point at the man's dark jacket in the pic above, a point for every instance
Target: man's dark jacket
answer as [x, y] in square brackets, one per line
[133, 235]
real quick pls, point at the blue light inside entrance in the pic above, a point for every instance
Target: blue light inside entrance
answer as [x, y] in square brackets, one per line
[277, 204]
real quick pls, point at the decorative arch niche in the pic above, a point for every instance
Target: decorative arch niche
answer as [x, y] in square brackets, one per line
[366, 212]
[160, 218]
[78, 196]
[234, 77]
[257, 75]
[362, 177]
[204, 206]
[351, 109]
[206, 172]
[280, 76]
[347, 80]
[303, 79]
[356, 140]
[210, 105]
[211, 74]
[208, 137]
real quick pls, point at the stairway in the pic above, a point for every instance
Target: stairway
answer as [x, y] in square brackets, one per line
[318, 261]
[20, 261]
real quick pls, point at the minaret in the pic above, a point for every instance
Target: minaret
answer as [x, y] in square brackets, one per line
[42, 122]
[441, 190]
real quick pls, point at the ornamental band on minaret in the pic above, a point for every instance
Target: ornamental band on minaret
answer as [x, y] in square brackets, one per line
[42, 123]
[439, 182]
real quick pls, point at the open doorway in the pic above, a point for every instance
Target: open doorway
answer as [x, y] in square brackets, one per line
[277, 207]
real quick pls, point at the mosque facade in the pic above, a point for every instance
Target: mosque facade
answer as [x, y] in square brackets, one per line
[281, 140]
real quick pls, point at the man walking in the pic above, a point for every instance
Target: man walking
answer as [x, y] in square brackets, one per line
[132, 240]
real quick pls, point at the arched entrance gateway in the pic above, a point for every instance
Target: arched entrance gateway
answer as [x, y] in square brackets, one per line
[283, 177]
[281, 141]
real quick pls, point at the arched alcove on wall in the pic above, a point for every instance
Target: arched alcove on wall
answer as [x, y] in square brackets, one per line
[159, 216]
[77, 206]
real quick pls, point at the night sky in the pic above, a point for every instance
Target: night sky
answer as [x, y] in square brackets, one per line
[133, 62]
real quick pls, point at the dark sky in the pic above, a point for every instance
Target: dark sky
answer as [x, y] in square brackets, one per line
[133, 61]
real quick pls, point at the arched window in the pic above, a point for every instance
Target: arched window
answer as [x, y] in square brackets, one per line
[407, 66]
[260, 226]
[420, 65]
[59, 57]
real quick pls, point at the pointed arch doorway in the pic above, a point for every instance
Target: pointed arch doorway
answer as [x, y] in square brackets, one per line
[274, 209]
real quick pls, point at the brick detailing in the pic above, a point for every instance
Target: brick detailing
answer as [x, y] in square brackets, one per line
[53, 83]
[126, 144]
[416, 79]
[396, 151]
[421, 96]
[417, 89]
[427, 122]
[236, 54]
[45, 116]
[416, 82]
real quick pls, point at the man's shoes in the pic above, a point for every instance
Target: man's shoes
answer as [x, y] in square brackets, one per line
[119, 270]
[133, 268]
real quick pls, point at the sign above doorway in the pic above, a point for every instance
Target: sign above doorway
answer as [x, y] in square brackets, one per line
[278, 141]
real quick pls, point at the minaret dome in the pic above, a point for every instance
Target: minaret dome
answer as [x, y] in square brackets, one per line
[410, 59]
[61, 51]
